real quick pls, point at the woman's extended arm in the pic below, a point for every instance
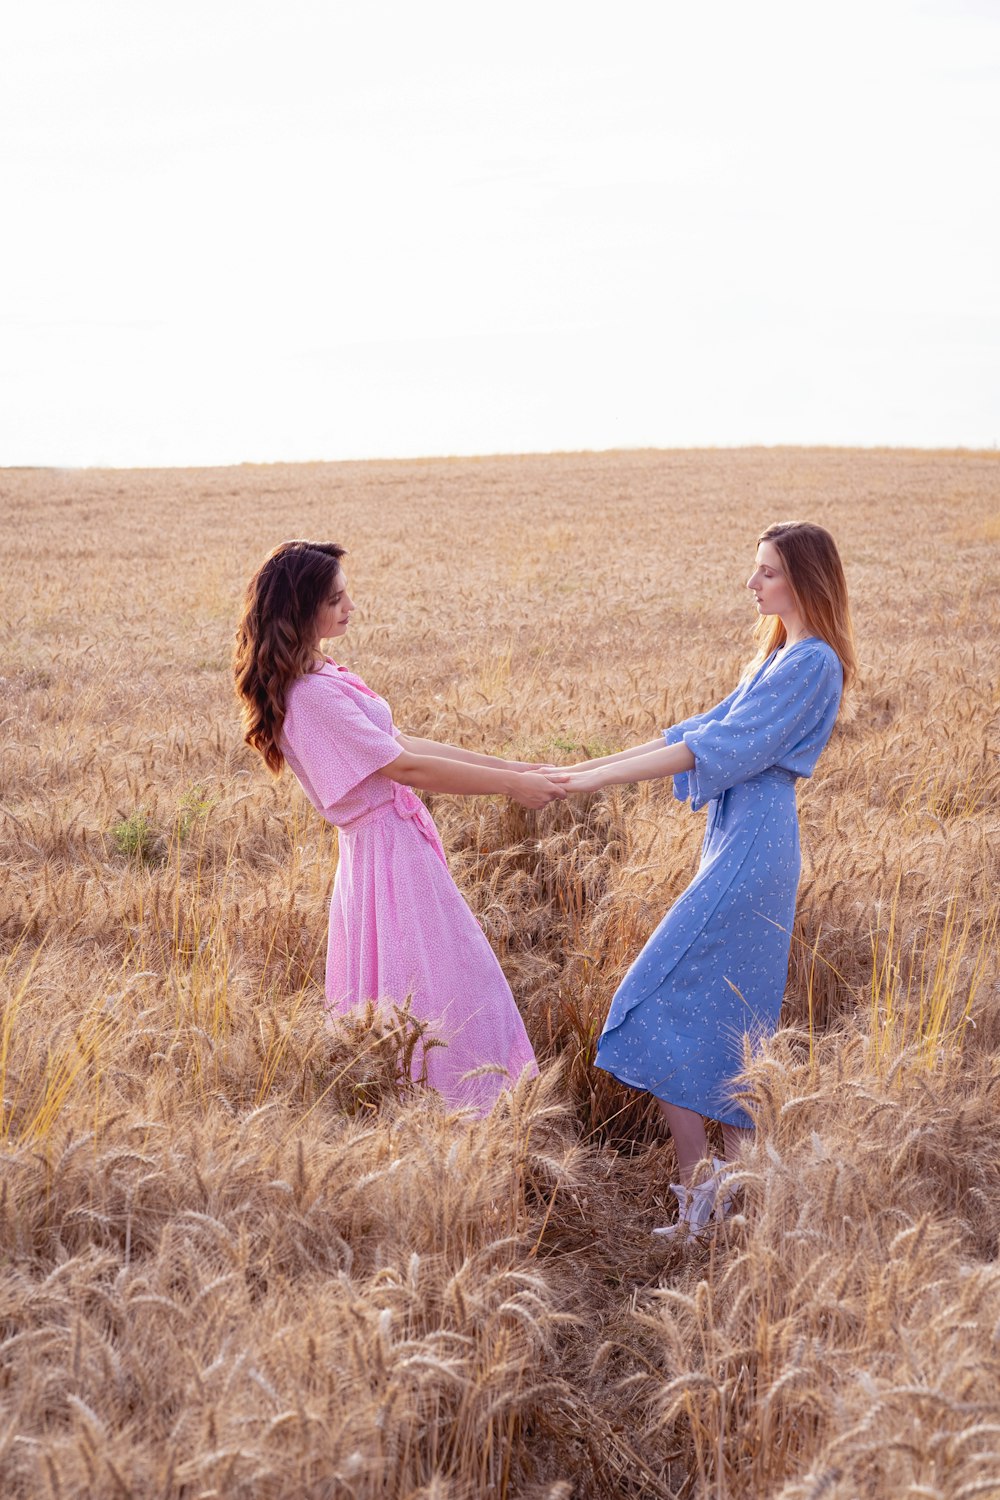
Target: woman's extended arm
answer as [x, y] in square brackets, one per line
[718, 712]
[644, 763]
[440, 750]
[443, 751]
[614, 760]
[439, 773]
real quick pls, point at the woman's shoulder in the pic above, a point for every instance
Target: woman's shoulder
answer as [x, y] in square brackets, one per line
[823, 651]
[817, 660]
[319, 680]
[329, 675]
[323, 686]
[332, 694]
[809, 663]
[812, 651]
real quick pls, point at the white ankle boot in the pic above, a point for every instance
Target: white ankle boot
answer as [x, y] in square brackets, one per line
[698, 1205]
[725, 1187]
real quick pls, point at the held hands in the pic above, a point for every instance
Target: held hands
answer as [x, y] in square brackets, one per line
[544, 783]
[535, 789]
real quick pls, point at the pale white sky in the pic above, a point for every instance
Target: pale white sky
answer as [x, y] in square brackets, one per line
[305, 229]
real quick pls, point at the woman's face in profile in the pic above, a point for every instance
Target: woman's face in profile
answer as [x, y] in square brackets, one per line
[769, 583]
[334, 614]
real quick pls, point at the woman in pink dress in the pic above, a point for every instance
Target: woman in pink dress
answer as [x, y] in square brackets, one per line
[399, 926]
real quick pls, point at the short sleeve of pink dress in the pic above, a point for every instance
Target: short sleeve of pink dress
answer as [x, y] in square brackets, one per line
[399, 926]
[338, 735]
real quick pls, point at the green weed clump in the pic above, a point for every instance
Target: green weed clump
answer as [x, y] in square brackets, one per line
[192, 808]
[136, 837]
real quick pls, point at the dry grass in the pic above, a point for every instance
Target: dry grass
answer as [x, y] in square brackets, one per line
[236, 1258]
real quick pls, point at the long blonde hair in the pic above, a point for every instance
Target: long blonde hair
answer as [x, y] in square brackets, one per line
[816, 578]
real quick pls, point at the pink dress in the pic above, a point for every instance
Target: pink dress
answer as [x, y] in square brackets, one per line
[398, 924]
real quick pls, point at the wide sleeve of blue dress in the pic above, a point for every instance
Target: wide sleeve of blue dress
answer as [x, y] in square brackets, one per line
[675, 733]
[782, 717]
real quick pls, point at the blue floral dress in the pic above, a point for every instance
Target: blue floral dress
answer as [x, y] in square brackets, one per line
[716, 967]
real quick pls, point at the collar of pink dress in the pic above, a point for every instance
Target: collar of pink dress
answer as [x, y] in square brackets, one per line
[351, 677]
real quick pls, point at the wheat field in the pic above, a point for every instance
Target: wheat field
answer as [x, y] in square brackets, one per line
[237, 1257]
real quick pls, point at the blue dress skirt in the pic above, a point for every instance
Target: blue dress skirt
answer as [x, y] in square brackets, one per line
[715, 969]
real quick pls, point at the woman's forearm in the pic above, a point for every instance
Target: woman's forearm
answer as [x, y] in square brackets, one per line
[665, 760]
[438, 773]
[439, 749]
[614, 760]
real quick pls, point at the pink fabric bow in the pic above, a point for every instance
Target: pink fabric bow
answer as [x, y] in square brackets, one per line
[409, 805]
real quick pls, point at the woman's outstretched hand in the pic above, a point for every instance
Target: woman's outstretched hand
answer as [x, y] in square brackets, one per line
[585, 781]
[532, 789]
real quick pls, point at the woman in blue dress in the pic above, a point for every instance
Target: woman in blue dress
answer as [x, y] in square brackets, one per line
[715, 968]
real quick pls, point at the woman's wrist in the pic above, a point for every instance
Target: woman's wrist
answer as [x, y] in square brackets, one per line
[497, 762]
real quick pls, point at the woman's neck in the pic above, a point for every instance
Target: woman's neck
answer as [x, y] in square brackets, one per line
[795, 631]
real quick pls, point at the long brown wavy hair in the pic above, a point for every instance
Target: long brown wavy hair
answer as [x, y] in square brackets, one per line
[816, 577]
[274, 639]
